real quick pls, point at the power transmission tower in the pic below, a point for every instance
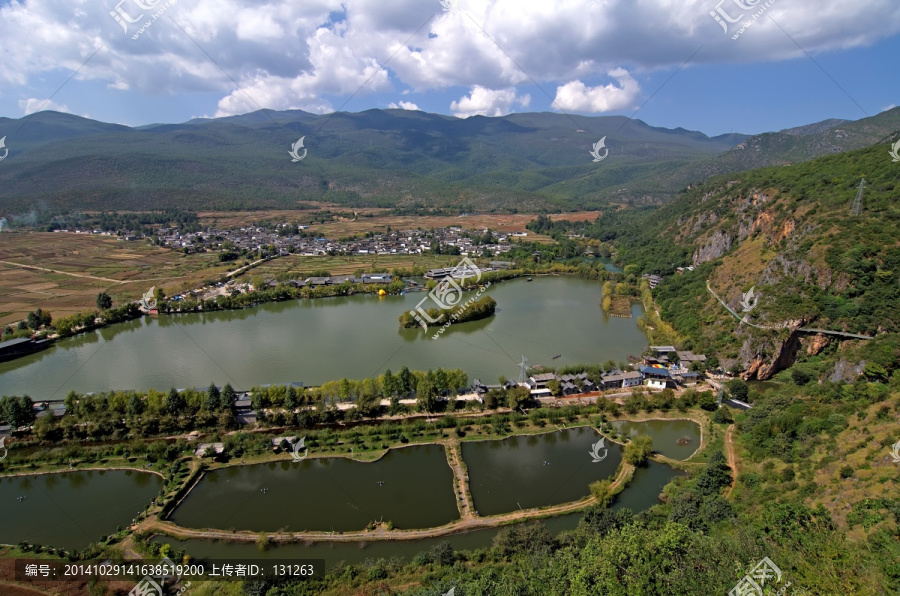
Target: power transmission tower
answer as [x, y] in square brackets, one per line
[523, 374]
[857, 204]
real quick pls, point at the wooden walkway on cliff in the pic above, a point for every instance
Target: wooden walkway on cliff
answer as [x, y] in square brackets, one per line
[775, 327]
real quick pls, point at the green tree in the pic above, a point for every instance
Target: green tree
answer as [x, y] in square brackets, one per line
[17, 411]
[554, 386]
[738, 389]
[407, 381]
[174, 403]
[227, 397]
[390, 385]
[602, 491]
[426, 392]
[707, 401]
[517, 397]
[104, 301]
[291, 399]
[344, 389]
[135, 405]
[34, 320]
[213, 398]
[638, 450]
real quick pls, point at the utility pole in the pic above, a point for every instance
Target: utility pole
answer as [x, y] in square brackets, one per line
[857, 204]
[523, 374]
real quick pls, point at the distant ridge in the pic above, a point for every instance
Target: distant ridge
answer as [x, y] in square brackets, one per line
[393, 158]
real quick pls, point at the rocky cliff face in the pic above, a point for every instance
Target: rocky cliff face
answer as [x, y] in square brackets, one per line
[762, 368]
[816, 344]
[718, 244]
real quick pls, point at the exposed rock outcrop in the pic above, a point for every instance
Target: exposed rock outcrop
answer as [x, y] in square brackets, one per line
[718, 244]
[784, 357]
[844, 371]
[816, 344]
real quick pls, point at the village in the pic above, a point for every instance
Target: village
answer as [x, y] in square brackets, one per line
[283, 239]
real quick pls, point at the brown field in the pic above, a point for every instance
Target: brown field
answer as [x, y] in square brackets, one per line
[379, 223]
[298, 266]
[63, 272]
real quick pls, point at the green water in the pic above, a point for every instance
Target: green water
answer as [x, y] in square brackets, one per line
[323, 494]
[666, 434]
[641, 493]
[335, 552]
[537, 470]
[72, 509]
[313, 341]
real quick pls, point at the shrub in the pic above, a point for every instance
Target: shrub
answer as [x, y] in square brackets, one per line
[722, 416]
[638, 450]
[602, 491]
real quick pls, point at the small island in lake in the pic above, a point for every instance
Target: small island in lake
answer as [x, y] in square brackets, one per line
[472, 310]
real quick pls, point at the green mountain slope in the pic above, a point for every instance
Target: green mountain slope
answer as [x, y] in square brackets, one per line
[377, 157]
[534, 161]
[788, 233]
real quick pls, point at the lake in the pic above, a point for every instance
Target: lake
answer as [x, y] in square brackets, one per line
[72, 509]
[313, 341]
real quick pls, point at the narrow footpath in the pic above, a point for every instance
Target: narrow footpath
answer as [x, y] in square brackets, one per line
[731, 456]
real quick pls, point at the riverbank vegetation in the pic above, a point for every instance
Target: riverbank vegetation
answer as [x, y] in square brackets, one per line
[482, 308]
[617, 299]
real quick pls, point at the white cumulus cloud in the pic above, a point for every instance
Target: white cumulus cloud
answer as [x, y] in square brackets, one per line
[578, 97]
[403, 105]
[307, 54]
[32, 105]
[488, 102]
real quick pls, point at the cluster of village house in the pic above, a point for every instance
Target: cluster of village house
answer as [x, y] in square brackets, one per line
[655, 372]
[254, 238]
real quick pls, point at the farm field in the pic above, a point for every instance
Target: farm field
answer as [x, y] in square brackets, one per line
[63, 272]
[298, 266]
[379, 222]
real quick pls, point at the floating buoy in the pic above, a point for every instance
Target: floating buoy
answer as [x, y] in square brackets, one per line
[382, 293]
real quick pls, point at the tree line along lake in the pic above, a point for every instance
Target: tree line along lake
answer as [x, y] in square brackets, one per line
[313, 341]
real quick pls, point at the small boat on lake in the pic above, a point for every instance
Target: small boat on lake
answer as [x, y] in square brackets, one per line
[529, 279]
[555, 357]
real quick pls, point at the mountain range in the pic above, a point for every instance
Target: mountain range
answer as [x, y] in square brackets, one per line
[530, 162]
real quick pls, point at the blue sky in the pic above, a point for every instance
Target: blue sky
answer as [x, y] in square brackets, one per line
[795, 65]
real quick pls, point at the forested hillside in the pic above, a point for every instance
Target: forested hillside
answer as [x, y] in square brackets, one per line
[537, 162]
[789, 233]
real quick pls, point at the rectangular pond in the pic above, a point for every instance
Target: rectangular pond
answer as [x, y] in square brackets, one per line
[411, 487]
[536, 470]
[72, 509]
[640, 494]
